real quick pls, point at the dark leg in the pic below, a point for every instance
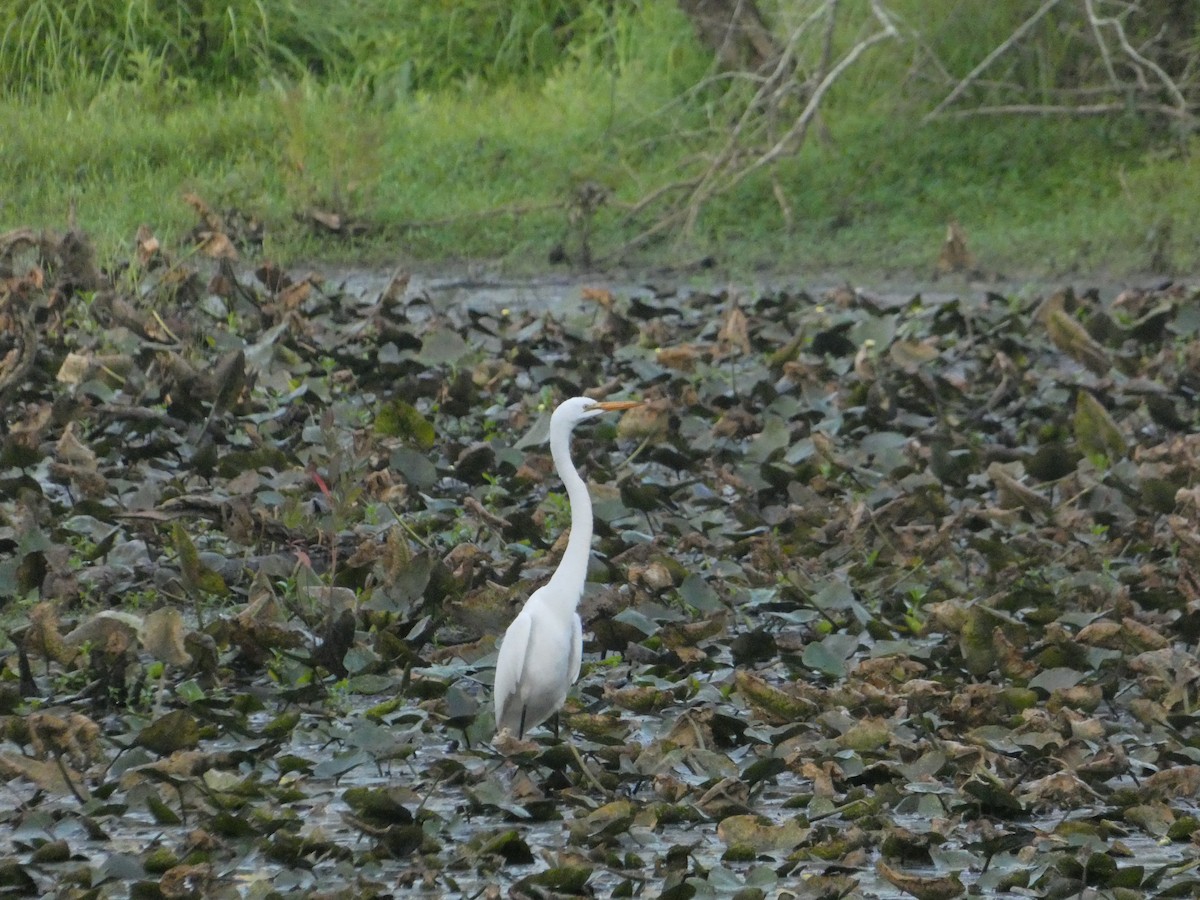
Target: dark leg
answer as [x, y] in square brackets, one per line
[521, 733]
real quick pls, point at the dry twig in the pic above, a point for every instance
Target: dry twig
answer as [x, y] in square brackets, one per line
[752, 144]
[1131, 79]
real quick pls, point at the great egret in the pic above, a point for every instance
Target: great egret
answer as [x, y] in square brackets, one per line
[540, 654]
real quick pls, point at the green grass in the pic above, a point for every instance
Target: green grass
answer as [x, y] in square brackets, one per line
[492, 161]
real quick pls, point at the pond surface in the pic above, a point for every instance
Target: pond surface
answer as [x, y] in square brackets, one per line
[894, 590]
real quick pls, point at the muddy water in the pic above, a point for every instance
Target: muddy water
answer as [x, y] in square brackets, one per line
[485, 293]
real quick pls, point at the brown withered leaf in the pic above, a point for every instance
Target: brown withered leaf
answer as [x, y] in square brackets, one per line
[330, 221]
[43, 636]
[681, 358]
[185, 882]
[293, 296]
[735, 331]
[60, 733]
[954, 255]
[178, 765]
[1128, 634]
[923, 887]
[110, 632]
[212, 221]
[1010, 659]
[162, 636]
[217, 245]
[69, 449]
[1011, 494]
[646, 422]
[603, 297]
[147, 247]
[692, 729]
[1174, 783]
[1056, 790]
[822, 775]
[397, 287]
[1072, 338]
[28, 431]
[46, 774]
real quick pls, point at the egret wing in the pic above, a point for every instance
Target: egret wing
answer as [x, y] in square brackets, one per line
[576, 648]
[510, 664]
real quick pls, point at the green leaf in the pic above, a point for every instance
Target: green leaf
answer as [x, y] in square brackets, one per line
[1051, 680]
[415, 468]
[1098, 434]
[827, 656]
[403, 420]
[630, 616]
[441, 347]
[699, 594]
[774, 436]
[834, 594]
[177, 730]
[196, 575]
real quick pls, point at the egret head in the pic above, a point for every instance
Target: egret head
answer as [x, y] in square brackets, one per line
[570, 412]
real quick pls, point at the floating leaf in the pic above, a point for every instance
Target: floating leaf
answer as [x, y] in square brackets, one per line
[162, 636]
[760, 834]
[381, 805]
[441, 347]
[699, 594]
[403, 420]
[1098, 434]
[177, 730]
[1068, 335]
[923, 887]
[1053, 679]
[196, 575]
[776, 703]
[559, 880]
[826, 657]
[414, 467]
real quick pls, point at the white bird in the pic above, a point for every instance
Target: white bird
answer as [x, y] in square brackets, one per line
[540, 654]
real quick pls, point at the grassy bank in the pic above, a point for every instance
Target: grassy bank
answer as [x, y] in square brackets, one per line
[486, 168]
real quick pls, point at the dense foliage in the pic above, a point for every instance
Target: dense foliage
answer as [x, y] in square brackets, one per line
[612, 120]
[50, 45]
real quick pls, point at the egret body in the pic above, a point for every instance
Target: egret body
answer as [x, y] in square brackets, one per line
[540, 654]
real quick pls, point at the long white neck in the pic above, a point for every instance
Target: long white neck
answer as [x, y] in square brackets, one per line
[572, 571]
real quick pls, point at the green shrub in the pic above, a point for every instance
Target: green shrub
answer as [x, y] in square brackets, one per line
[49, 45]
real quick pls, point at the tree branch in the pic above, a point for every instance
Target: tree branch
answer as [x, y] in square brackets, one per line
[996, 53]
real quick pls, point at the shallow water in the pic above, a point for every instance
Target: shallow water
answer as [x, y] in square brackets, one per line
[453, 815]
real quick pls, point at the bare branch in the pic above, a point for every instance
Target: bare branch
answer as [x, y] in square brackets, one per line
[1113, 60]
[996, 53]
[799, 129]
[1067, 109]
[1105, 55]
[1168, 84]
[1107, 39]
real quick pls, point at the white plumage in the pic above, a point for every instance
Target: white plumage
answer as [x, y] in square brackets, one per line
[540, 654]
